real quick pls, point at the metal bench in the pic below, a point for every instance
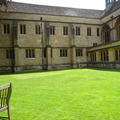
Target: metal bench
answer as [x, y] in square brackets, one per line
[5, 94]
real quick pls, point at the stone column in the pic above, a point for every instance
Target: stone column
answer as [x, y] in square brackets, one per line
[74, 57]
[18, 59]
[88, 57]
[111, 52]
[49, 57]
[98, 59]
[115, 34]
[15, 45]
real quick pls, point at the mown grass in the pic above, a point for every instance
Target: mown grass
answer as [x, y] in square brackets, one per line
[76, 94]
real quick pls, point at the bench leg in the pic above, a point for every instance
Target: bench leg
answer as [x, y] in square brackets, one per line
[8, 111]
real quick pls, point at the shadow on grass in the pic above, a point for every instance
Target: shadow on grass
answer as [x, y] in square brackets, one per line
[29, 72]
[41, 71]
[105, 69]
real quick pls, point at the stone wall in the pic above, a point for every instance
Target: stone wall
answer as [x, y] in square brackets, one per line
[21, 42]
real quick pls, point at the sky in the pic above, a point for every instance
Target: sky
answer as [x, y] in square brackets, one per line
[87, 4]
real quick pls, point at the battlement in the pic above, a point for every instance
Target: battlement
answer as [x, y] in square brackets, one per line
[110, 3]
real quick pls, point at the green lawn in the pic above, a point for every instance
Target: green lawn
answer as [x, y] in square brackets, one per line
[76, 94]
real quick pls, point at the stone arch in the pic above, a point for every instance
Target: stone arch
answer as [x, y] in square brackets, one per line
[117, 28]
[106, 34]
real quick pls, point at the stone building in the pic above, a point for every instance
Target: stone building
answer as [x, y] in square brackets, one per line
[38, 37]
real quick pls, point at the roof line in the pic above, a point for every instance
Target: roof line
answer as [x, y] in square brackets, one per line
[56, 6]
[52, 15]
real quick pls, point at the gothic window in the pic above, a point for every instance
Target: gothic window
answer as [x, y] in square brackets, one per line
[117, 54]
[30, 53]
[10, 54]
[79, 52]
[65, 30]
[93, 57]
[77, 31]
[6, 28]
[105, 34]
[22, 29]
[44, 53]
[117, 27]
[52, 30]
[38, 29]
[63, 52]
[98, 32]
[94, 44]
[89, 31]
[51, 52]
[104, 55]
